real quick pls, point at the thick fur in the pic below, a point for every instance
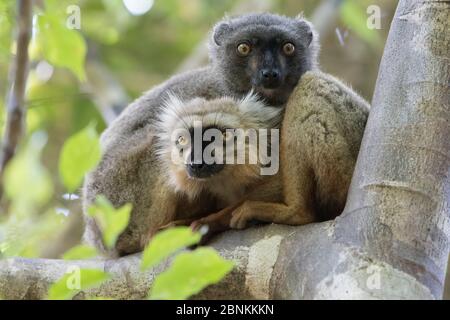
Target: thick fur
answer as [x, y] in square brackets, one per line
[129, 171]
[271, 30]
[321, 134]
[230, 184]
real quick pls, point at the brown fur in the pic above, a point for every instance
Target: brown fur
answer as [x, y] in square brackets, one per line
[226, 112]
[321, 133]
[232, 184]
[128, 172]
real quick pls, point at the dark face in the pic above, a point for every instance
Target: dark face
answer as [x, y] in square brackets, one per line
[203, 170]
[270, 63]
[199, 168]
[271, 66]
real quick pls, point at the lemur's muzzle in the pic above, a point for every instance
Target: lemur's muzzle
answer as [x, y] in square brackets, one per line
[270, 78]
[203, 170]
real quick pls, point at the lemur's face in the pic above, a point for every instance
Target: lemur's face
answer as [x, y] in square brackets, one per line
[270, 63]
[268, 58]
[198, 138]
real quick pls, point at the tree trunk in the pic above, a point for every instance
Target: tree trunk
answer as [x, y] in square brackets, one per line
[398, 207]
[391, 242]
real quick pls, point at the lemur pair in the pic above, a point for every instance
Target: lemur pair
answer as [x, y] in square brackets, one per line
[321, 129]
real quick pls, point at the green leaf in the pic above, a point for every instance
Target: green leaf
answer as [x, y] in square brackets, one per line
[166, 243]
[111, 221]
[27, 183]
[79, 154]
[25, 234]
[76, 280]
[61, 46]
[80, 252]
[354, 16]
[190, 273]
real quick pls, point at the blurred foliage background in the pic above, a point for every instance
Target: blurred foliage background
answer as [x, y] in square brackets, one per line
[79, 80]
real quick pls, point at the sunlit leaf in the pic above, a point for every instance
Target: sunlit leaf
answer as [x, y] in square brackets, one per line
[166, 243]
[80, 252]
[111, 221]
[190, 273]
[61, 46]
[74, 281]
[79, 154]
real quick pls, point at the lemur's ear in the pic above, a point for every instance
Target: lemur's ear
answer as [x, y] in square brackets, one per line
[219, 32]
[309, 37]
[305, 29]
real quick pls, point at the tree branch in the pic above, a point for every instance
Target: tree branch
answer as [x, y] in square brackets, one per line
[16, 102]
[256, 253]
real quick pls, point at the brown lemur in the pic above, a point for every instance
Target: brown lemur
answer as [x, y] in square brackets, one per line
[232, 140]
[321, 133]
[239, 125]
[264, 52]
[237, 146]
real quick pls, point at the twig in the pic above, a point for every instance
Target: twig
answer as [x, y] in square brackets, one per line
[16, 102]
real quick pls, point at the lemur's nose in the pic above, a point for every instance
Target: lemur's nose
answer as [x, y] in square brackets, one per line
[203, 170]
[270, 74]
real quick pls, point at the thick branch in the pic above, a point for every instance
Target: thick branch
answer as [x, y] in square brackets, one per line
[271, 262]
[256, 253]
[16, 101]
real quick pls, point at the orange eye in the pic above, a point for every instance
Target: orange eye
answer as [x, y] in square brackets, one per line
[182, 140]
[243, 49]
[288, 49]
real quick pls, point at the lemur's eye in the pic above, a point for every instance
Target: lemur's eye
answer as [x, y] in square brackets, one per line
[288, 49]
[228, 135]
[243, 49]
[182, 140]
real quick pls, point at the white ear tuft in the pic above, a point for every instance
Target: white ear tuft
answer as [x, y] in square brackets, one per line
[170, 111]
